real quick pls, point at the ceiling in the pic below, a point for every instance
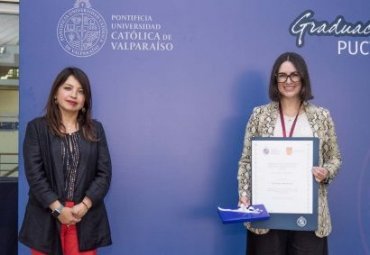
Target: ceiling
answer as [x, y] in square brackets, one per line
[9, 37]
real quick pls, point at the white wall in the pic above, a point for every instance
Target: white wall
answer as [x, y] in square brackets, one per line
[9, 108]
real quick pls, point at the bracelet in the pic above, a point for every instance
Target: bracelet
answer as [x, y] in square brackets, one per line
[85, 205]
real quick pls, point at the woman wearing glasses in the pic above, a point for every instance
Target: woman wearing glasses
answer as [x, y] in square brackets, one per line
[289, 114]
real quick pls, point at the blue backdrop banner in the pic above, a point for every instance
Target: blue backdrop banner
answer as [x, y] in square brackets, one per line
[174, 83]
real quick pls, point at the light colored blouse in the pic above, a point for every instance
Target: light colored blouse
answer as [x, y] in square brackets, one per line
[301, 129]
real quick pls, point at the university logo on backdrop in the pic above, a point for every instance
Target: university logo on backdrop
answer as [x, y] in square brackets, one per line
[305, 25]
[82, 31]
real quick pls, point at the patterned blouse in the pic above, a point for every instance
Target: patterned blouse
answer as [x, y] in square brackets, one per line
[262, 123]
[71, 157]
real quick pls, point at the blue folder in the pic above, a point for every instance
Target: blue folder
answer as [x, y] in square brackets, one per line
[235, 217]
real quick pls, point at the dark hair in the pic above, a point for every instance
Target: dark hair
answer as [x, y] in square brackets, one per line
[299, 63]
[53, 116]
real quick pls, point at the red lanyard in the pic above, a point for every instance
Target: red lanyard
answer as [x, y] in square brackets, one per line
[283, 122]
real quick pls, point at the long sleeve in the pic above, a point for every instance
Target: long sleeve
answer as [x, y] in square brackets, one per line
[330, 150]
[34, 163]
[244, 171]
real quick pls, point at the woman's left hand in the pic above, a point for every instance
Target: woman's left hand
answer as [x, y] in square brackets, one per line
[79, 210]
[320, 173]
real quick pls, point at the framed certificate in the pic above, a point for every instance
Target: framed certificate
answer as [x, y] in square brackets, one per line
[282, 180]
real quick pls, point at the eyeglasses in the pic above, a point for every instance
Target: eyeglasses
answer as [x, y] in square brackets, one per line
[283, 77]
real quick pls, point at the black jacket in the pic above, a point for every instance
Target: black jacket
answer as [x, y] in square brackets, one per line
[44, 172]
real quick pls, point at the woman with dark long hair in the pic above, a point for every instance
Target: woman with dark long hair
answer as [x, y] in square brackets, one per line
[68, 169]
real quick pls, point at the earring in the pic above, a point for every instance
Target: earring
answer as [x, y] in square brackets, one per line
[83, 110]
[55, 100]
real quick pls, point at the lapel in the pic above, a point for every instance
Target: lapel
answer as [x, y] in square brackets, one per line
[56, 152]
[84, 152]
[272, 114]
[55, 149]
[312, 118]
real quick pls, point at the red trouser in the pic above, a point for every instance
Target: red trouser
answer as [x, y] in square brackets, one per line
[69, 240]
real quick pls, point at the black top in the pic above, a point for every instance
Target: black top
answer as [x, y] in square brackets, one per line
[43, 165]
[70, 156]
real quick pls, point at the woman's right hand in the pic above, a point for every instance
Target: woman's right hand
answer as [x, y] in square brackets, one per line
[244, 201]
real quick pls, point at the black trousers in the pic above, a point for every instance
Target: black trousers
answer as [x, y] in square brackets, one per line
[286, 242]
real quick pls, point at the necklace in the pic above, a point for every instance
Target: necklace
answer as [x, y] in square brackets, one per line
[288, 118]
[71, 128]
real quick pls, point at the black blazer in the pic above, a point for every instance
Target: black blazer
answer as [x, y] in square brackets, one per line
[44, 172]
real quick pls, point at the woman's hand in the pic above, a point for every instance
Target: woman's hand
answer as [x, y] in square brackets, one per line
[67, 217]
[244, 201]
[79, 210]
[320, 173]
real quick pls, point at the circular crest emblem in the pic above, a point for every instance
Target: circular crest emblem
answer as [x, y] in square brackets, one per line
[82, 31]
[301, 221]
